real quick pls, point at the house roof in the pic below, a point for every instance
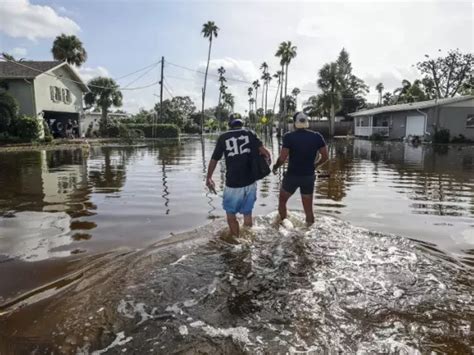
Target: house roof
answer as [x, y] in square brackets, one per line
[32, 69]
[25, 70]
[411, 106]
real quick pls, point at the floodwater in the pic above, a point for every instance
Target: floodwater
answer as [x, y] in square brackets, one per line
[91, 255]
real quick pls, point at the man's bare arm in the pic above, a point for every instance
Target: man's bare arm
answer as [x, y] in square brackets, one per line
[284, 153]
[265, 152]
[210, 170]
[323, 156]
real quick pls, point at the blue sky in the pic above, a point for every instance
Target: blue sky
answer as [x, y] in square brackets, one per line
[384, 39]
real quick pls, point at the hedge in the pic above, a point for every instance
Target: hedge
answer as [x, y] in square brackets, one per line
[160, 130]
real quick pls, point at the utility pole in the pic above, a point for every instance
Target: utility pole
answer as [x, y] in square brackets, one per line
[161, 89]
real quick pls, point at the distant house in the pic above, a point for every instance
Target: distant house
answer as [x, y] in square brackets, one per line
[418, 119]
[51, 91]
[90, 122]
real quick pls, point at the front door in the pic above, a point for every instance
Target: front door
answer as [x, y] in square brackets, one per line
[415, 125]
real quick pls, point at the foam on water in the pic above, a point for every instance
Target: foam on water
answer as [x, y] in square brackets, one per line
[332, 286]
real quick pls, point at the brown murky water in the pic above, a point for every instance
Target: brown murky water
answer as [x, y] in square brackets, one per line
[64, 211]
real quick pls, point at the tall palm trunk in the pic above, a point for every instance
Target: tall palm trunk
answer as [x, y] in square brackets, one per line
[285, 108]
[265, 111]
[256, 108]
[218, 113]
[205, 83]
[332, 119]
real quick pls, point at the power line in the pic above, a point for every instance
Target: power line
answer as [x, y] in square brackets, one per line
[139, 77]
[167, 90]
[138, 71]
[75, 81]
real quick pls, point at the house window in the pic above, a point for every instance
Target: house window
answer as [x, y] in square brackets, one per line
[66, 96]
[57, 94]
[470, 121]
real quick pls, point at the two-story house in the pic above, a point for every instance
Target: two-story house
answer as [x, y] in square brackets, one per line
[51, 91]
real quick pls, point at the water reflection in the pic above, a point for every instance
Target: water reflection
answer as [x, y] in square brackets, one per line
[134, 195]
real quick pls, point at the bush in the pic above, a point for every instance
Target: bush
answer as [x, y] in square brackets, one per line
[461, 139]
[160, 130]
[192, 129]
[441, 136]
[376, 137]
[26, 128]
[6, 138]
[8, 111]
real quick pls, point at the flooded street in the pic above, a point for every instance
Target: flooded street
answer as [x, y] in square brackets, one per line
[96, 242]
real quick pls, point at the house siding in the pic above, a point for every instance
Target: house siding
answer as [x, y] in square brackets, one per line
[454, 119]
[43, 97]
[22, 91]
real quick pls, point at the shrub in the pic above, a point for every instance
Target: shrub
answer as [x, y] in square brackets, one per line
[376, 137]
[192, 129]
[461, 139]
[6, 138]
[8, 111]
[26, 128]
[160, 130]
[441, 136]
[48, 137]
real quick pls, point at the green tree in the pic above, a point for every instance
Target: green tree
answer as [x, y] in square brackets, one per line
[331, 83]
[264, 68]
[387, 99]
[10, 58]
[410, 92]
[8, 110]
[286, 52]
[353, 89]
[450, 73]
[104, 93]
[267, 78]
[209, 30]
[295, 92]
[179, 110]
[69, 49]
[229, 101]
[250, 94]
[256, 85]
[379, 89]
[279, 76]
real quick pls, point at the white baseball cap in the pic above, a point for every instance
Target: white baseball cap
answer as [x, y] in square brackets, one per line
[301, 120]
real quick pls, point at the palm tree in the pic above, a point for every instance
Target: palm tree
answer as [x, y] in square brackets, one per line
[104, 93]
[286, 52]
[229, 100]
[379, 89]
[256, 85]
[10, 58]
[251, 102]
[250, 93]
[295, 92]
[222, 80]
[209, 30]
[264, 68]
[331, 83]
[69, 49]
[278, 76]
[266, 80]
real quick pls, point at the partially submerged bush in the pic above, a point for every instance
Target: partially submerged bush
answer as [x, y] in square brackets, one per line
[461, 139]
[159, 130]
[441, 136]
[377, 137]
[26, 128]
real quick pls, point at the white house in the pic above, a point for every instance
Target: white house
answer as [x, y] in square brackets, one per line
[421, 119]
[49, 90]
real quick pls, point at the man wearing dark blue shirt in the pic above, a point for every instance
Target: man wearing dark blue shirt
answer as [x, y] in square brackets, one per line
[237, 145]
[301, 146]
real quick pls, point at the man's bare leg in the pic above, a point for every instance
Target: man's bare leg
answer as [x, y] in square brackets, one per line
[284, 197]
[308, 208]
[248, 222]
[233, 224]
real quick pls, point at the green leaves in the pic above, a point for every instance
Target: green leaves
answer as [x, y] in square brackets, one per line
[69, 49]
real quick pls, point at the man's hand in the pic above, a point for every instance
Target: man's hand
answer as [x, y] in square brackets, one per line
[211, 185]
[275, 169]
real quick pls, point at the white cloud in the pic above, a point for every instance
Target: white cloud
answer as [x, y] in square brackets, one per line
[20, 18]
[87, 73]
[18, 52]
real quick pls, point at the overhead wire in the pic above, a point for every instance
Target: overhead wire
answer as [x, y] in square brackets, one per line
[76, 81]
